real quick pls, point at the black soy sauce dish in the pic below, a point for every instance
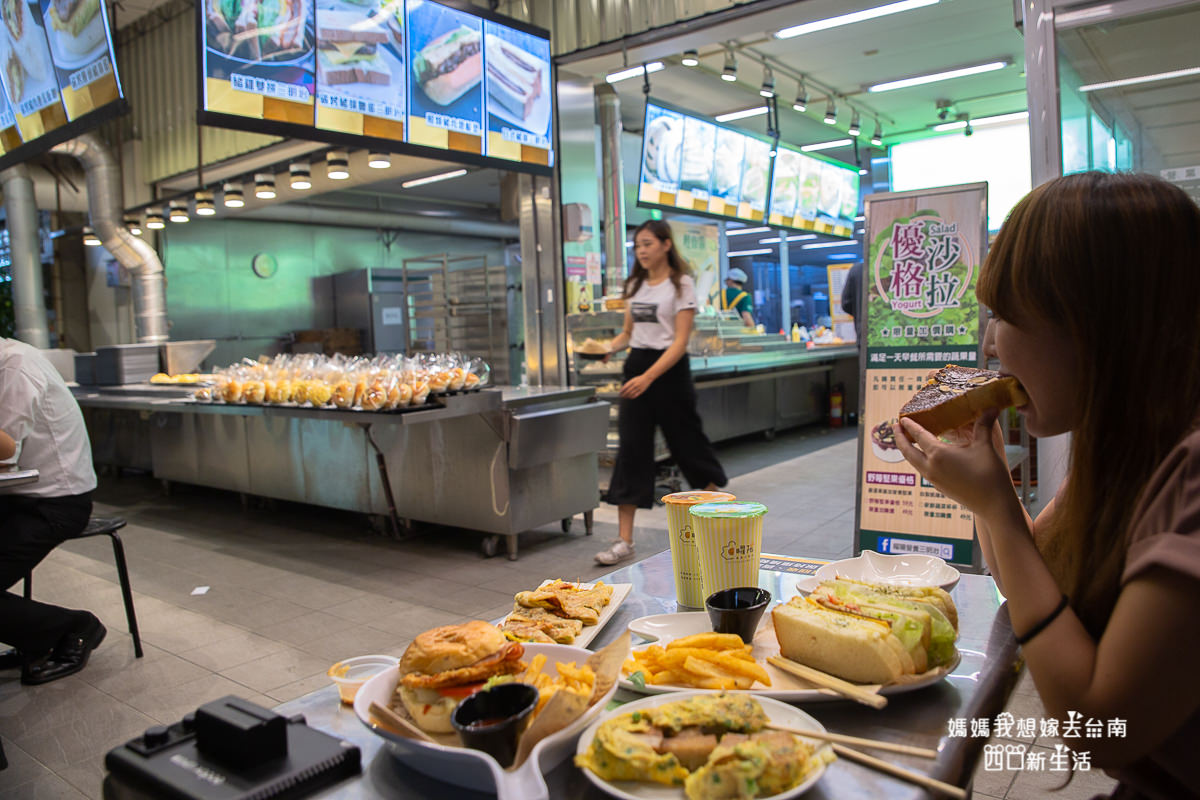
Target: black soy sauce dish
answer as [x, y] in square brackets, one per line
[737, 610]
[494, 719]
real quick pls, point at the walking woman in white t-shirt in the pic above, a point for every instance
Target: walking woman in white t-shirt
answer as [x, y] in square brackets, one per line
[660, 307]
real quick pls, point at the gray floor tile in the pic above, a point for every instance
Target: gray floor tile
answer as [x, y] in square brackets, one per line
[239, 648]
[277, 669]
[47, 787]
[22, 767]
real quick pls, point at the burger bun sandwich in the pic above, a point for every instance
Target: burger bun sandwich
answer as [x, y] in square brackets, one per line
[444, 665]
[450, 65]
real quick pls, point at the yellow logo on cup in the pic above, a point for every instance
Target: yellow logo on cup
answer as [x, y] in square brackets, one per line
[686, 535]
[733, 551]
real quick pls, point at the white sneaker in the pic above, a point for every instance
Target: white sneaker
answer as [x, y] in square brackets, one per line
[619, 551]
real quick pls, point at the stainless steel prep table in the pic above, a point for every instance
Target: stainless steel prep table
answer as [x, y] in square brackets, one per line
[501, 461]
[979, 687]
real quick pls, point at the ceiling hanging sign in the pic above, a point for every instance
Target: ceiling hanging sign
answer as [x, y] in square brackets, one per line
[924, 252]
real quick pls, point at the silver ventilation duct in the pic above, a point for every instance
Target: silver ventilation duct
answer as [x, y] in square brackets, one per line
[106, 210]
[29, 302]
[612, 184]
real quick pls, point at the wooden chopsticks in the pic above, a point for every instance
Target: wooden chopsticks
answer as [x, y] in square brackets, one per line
[899, 772]
[398, 724]
[827, 681]
[841, 738]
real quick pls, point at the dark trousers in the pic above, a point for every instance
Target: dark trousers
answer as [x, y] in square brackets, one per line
[30, 527]
[670, 405]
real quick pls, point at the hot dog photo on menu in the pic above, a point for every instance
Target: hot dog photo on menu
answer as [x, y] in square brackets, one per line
[445, 48]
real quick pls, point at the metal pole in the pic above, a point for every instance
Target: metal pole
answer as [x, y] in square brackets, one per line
[29, 301]
[612, 184]
[785, 285]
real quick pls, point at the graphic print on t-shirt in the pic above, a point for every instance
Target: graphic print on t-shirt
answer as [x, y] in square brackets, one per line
[645, 312]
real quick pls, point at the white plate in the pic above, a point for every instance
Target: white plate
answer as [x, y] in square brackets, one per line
[893, 456]
[475, 769]
[904, 570]
[778, 712]
[620, 592]
[663, 628]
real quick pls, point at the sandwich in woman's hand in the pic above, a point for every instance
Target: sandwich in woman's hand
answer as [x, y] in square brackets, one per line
[449, 65]
[444, 665]
[956, 396]
[868, 633]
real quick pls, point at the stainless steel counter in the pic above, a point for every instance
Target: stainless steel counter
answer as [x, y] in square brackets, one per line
[979, 687]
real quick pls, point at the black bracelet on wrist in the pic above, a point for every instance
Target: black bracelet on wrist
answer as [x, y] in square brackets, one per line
[1045, 623]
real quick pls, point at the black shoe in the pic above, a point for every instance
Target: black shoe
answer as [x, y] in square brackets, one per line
[69, 656]
[11, 659]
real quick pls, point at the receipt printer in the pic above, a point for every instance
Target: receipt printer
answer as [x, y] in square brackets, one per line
[232, 749]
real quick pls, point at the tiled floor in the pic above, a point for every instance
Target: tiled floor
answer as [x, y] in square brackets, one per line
[259, 601]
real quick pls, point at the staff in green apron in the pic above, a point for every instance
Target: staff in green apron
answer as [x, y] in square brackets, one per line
[734, 297]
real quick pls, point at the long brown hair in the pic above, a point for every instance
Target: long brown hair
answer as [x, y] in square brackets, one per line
[1112, 260]
[679, 265]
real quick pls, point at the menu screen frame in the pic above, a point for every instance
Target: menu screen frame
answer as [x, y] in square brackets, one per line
[307, 129]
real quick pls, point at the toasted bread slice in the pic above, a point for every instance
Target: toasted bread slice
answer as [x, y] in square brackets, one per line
[956, 396]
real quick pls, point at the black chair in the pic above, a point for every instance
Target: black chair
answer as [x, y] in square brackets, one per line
[108, 526]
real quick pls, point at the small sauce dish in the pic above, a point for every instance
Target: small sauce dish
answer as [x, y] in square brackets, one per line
[737, 610]
[352, 673]
[493, 720]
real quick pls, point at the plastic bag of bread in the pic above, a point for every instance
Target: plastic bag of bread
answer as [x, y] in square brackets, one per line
[478, 374]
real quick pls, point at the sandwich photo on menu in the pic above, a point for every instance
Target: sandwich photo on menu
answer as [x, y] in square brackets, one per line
[348, 49]
[257, 30]
[514, 77]
[76, 28]
[449, 65]
[26, 60]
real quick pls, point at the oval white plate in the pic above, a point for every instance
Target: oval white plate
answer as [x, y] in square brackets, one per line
[904, 570]
[475, 769]
[893, 456]
[778, 712]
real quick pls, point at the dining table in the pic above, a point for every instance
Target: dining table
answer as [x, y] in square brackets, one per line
[979, 687]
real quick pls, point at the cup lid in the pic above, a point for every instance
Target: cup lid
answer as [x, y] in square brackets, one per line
[692, 498]
[728, 510]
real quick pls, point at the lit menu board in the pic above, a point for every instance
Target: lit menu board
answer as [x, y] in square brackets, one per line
[691, 164]
[59, 75]
[812, 194]
[409, 76]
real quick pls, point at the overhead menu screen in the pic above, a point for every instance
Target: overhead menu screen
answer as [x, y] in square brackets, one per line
[402, 75]
[692, 164]
[58, 74]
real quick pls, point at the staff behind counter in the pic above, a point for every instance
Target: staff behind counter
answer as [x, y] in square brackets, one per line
[734, 297]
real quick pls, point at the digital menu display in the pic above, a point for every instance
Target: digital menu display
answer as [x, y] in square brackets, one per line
[405, 75]
[57, 70]
[692, 164]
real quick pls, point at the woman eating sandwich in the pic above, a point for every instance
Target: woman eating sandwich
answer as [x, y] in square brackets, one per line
[1103, 585]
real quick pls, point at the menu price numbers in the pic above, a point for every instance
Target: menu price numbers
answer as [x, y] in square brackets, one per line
[524, 137]
[39, 101]
[371, 108]
[269, 88]
[91, 73]
[449, 123]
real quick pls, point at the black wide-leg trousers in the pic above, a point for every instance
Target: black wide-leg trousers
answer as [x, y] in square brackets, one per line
[670, 405]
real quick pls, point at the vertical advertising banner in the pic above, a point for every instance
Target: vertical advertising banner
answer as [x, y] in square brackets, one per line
[518, 94]
[700, 246]
[445, 97]
[28, 71]
[79, 45]
[361, 79]
[924, 251]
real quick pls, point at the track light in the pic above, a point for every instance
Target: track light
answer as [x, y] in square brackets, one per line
[232, 196]
[300, 176]
[337, 165]
[89, 237]
[133, 225]
[801, 102]
[855, 125]
[379, 160]
[154, 220]
[729, 73]
[830, 113]
[264, 186]
[877, 136]
[768, 84]
[178, 211]
[690, 58]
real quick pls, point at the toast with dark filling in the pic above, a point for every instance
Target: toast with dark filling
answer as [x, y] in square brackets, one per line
[956, 396]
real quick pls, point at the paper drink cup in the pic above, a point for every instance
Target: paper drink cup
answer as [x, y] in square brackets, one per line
[729, 542]
[685, 558]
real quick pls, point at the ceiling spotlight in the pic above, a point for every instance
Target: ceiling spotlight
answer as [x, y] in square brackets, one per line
[232, 196]
[690, 58]
[178, 211]
[89, 237]
[379, 160]
[830, 113]
[877, 136]
[204, 204]
[154, 220]
[300, 176]
[337, 165]
[133, 225]
[801, 102]
[729, 73]
[967, 131]
[264, 186]
[864, 171]
[768, 84]
[855, 125]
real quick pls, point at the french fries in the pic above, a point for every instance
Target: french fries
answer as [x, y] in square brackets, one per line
[705, 660]
[571, 678]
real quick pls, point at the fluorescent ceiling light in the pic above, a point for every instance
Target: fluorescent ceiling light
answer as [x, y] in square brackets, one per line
[743, 231]
[842, 256]
[433, 178]
[829, 244]
[810, 148]
[934, 77]
[800, 238]
[1161, 76]
[743, 114]
[761, 252]
[633, 72]
[857, 16]
[996, 120]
